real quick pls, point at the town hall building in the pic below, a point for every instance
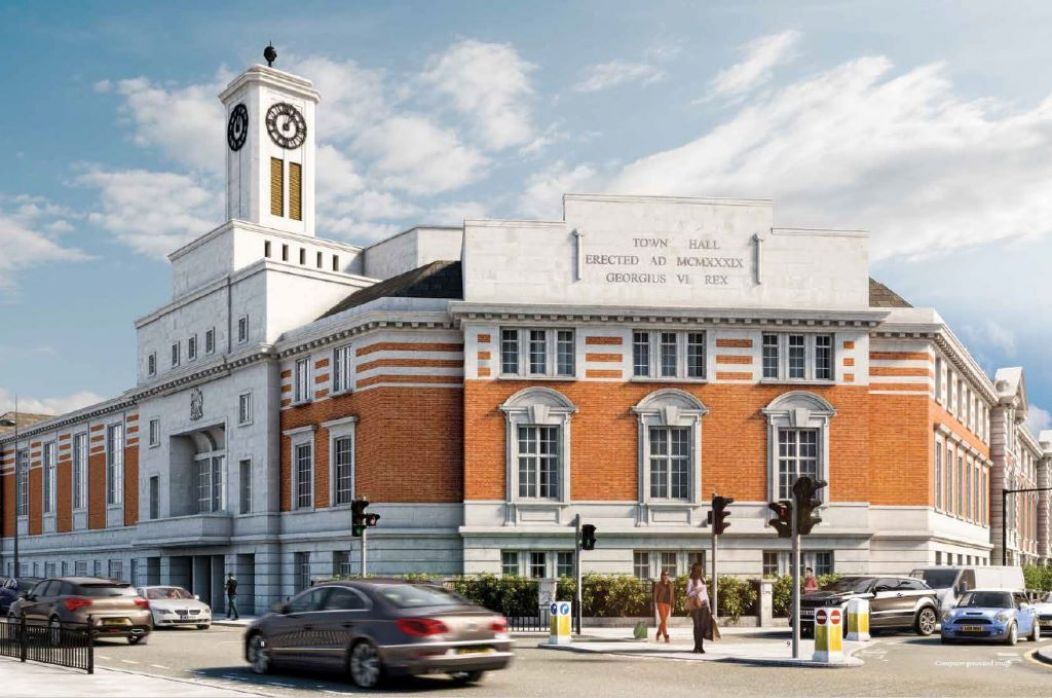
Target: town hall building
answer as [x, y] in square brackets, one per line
[482, 385]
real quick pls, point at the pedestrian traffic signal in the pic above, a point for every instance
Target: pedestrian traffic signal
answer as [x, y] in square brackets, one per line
[358, 517]
[588, 537]
[782, 523]
[805, 501]
[718, 514]
[372, 519]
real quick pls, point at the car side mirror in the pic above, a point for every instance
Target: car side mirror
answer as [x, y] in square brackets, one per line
[280, 608]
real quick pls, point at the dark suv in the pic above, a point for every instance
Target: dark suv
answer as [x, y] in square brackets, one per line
[900, 603]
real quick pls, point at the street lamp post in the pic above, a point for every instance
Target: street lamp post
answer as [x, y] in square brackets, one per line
[1004, 517]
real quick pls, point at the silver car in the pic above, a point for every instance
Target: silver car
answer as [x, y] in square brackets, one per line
[377, 628]
[173, 606]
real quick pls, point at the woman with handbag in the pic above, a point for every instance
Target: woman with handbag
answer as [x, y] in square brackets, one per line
[698, 605]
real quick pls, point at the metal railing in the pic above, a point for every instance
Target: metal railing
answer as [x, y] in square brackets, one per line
[62, 644]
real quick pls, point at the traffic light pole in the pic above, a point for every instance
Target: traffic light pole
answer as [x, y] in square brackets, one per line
[796, 583]
[365, 570]
[578, 592]
[715, 583]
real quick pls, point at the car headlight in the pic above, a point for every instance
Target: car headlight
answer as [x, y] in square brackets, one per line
[1004, 616]
[947, 617]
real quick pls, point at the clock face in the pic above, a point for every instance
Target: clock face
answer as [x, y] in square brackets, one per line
[286, 126]
[237, 127]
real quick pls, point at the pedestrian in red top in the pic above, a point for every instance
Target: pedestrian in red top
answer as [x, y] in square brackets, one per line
[810, 583]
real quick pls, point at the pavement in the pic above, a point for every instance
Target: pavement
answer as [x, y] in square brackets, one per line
[1044, 654]
[33, 680]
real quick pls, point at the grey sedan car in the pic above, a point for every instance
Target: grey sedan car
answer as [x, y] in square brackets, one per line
[376, 628]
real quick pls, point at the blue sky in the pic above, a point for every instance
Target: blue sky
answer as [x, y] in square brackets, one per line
[922, 123]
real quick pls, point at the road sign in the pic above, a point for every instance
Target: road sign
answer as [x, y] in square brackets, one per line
[559, 631]
[829, 636]
[834, 616]
[820, 617]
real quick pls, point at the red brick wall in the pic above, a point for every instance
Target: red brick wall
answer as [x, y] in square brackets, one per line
[64, 486]
[36, 501]
[131, 485]
[97, 490]
[9, 505]
[408, 444]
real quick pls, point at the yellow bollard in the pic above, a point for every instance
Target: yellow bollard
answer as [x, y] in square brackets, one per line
[858, 620]
[559, 626]
[829, 636]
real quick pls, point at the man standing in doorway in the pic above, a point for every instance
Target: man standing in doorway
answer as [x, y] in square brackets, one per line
[231, 597]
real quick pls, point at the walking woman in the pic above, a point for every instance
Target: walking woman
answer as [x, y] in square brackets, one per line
[698, 605]
[664, 600]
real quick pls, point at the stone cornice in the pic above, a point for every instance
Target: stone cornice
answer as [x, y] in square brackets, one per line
[367, 323]
[100, 409]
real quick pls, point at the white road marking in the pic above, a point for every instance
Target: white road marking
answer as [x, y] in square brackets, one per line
[1007, 654]
[103, 657]
[129, 661]
[158, 666]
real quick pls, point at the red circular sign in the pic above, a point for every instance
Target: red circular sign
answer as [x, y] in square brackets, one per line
[834, 616]
[820, 617]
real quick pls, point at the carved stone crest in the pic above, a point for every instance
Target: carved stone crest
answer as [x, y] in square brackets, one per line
[197, 404]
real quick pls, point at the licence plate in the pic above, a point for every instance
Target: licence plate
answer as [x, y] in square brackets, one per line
[972, 628]
[474, 650]
[806, 612]
[114, 621]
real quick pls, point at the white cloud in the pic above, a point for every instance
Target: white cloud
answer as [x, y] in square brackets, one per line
[762, 55]
[456, 212]
[993, 334]
[1038, 419]
[489, 85]
[154, 213]
[29, 237]
[353, 97]
[901, 155]
[412, 153]
[543, 195]
[603, 76]
[49, 405]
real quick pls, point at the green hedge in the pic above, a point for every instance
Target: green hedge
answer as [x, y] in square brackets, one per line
[1038, 577]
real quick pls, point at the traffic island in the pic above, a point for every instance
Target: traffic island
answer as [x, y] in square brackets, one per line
[1044, 654]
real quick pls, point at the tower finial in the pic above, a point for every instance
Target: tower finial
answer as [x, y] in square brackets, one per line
[270, 54]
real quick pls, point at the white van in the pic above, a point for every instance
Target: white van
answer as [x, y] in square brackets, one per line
[951, 582]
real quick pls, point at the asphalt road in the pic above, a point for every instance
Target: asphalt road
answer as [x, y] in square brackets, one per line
[896, 665]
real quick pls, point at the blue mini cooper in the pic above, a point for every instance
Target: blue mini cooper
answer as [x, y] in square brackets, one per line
[991, 614]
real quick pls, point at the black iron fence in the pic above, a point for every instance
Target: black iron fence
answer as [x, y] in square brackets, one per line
[63, 644]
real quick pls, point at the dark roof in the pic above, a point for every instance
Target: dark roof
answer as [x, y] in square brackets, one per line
[441, 279]
[880, 296]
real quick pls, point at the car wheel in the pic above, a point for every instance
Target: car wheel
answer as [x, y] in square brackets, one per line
[467, 677]
[259, 654]
[925, 622]
[1013, 635]
[1035, 632]
[137, 639]
[365, 665]
[54, 631]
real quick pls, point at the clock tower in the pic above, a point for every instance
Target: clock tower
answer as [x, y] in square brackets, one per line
[270, 157]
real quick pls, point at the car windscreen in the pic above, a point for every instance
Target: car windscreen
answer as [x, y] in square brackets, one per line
[849, 584]
[418, 595]
[107, 590]
[986, 599]
[940, 579]
[161, 593]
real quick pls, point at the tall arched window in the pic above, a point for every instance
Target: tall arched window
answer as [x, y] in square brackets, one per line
[538, 445]
[797, 441]
[670, 447]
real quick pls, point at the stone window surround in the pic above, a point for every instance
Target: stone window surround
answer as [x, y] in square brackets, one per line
[73, 468]
[49, 505]
[344, 427]
[798, 409]
[151, 443]
[551, 343]
[298, 437]
[249, 412]
[669, 407]
[810, 357]
[654, 347]
[118, 493]
[536, 406]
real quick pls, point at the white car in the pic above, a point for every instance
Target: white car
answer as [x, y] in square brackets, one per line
[1044, 611]
[171, 606]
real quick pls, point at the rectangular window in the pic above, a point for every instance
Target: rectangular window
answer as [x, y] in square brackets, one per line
[641, 354]
[949, 390]
[509, 352]
[670, 462]
[245, 486]
[301, 390]
[341, 563]
[304, 454]
[175, 354]
[342, 366]
[319, 260]
[210, 341]
[695, 355]
[824, 357]
[770, 356]
[151, 364]
[938, 379]
[564, 352]
[539, 462]
[155, 497]
[115, 464]
[335, 262]
[797, 356]
[960, 484]
[296, 192]
[668, 563]
[301, 563]
[695, 557]
[823, 562]
[211, 484]
[303, 256]
[564, 564]
[284, 253]
[80, 471]
[949, 479]
[80, 568]
[509, 563]
[538, 565]
[97, 567]
[277, 187]
[967, 510]
[797, 456]
[641, 564]
[22, 482]
[343, 449]
[191, 348]
[244, 408]
[770, 563]
[116, 570]
[155, 432]
[938, 476]
[668, 354]
[242, 329]
[266, 249]
[938, 557]
[538, 352]
[49, 477]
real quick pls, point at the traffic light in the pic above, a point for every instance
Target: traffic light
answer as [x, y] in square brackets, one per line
[718, 515]
[587, 537]
[372, 519]
[805, 502]
[358, 517]
[782, 523]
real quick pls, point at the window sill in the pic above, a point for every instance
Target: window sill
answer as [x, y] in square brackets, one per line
[796, 381]
[538, 377]
[245, 424]
[667, 379]
[537, 502]
[156, 445]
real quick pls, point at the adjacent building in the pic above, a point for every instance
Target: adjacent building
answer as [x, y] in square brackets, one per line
[482, 385]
